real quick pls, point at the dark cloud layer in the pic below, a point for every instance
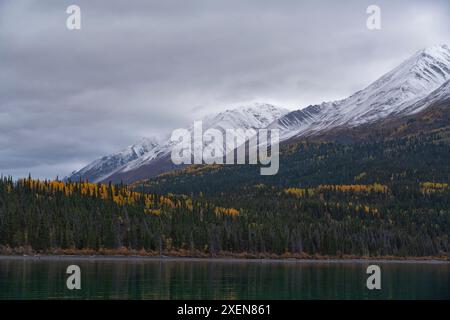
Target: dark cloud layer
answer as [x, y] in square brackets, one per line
[139, 68]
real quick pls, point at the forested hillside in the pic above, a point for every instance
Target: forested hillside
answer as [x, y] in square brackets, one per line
[377, 197]
[358, 220]
[404, 162]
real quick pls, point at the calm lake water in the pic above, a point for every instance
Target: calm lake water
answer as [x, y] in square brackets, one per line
[30, 278]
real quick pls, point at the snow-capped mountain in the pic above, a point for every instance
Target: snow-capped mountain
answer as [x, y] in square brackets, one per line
[397, 92]
[417, 83]
[148, 151]
[105, 166]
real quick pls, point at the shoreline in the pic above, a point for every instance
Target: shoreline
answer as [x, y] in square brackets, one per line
[138, 258]
[122, 253]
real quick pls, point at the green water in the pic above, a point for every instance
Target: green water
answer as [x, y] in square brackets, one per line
[219, 279]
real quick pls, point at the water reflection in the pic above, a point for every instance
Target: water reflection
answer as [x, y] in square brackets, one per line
[186, 279]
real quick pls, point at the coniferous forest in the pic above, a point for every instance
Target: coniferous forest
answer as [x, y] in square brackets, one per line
[376, 198]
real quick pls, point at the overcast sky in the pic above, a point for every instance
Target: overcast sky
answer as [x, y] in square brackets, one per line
[139, 68]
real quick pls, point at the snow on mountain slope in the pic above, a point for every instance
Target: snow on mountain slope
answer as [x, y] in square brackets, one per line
[441, 94]
[256, 117]
[409, 88]
[245, 117]
[394, 93]
[105, 166]
[144, 153]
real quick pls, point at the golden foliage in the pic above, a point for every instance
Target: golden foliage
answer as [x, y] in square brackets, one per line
[432, 187]
[226, 211]
[122, 195]
[297, 192]
[302, 192]
[376, 187]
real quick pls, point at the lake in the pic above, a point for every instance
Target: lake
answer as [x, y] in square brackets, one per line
[152, 278]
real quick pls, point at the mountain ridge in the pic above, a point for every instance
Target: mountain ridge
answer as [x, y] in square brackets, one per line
[393, 93]
[118, 165]
[420, 81]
